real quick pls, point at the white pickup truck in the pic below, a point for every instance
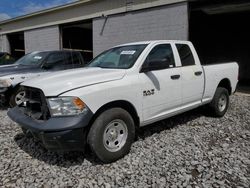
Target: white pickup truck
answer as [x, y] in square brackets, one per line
[126, 87]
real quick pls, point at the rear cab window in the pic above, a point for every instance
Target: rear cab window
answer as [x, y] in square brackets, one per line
[186, 55]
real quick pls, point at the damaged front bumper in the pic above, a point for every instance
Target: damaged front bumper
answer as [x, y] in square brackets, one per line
[57, 133]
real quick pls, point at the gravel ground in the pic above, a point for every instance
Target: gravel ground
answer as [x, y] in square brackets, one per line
[190, 150]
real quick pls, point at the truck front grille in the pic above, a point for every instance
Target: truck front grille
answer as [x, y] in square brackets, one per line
[35, 104]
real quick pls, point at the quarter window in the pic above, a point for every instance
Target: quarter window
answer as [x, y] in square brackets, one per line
[186, 55]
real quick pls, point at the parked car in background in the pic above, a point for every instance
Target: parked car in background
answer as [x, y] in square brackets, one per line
[6, 59]
[33, 65]
[128, 86]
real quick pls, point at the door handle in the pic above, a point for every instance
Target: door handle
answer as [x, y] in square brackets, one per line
[198, 73]
[175, 77]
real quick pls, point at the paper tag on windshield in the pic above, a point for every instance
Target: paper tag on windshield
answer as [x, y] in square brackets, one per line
[128, 52]
[37, 57]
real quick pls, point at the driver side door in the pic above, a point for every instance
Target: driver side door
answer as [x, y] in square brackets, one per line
[161, 89]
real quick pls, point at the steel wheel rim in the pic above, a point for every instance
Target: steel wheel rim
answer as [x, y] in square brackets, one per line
[115, 135]
[222, 102]
[19, 97]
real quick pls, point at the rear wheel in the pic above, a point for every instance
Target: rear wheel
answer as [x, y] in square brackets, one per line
[112, 134]
[220, 102]
[17, 97]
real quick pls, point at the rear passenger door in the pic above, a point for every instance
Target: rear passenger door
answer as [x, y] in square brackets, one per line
[160, 89]
[192, 76]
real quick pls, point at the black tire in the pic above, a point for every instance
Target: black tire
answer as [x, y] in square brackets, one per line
[26, 133]
[101, 125]
[12, 101]
[216, 108]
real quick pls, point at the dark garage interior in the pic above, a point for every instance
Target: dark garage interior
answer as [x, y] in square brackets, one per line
[17, 47]
[220, 33]
[78, 36]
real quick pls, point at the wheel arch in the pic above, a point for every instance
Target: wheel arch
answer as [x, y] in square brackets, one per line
[130, 108]
[12, 89]
[15, 87]
[225, 83]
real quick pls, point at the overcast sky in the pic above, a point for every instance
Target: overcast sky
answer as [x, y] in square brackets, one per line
[14, 8]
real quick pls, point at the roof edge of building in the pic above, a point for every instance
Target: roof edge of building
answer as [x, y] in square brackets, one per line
[137, 7]
[52, 9]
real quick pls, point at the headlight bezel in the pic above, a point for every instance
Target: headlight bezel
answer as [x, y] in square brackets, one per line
[5, 83]
[64, 106]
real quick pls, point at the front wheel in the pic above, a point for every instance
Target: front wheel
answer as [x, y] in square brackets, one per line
[17, 97]
[112, 134]
[220, 102]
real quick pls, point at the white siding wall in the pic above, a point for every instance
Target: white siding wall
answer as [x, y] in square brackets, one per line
[47, 38]
[82, 11]
[165, 22]
[4, 44]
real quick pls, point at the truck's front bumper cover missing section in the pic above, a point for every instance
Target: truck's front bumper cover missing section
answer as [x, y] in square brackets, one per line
[57, 133]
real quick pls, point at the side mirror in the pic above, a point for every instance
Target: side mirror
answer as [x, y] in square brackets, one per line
[155, 65]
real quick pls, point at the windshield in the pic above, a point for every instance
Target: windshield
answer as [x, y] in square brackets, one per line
[122, 57]
[34, 58]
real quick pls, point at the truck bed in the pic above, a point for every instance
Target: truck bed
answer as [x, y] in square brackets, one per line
[214, 73]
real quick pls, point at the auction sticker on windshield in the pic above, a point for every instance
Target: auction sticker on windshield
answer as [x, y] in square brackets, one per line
[37, 57]
[128, 52]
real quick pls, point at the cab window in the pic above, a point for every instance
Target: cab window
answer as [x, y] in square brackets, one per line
[186, 55]
[56, 59]
[162, 56]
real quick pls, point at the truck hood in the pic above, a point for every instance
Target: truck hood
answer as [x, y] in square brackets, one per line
[56, 83]
[6, 70]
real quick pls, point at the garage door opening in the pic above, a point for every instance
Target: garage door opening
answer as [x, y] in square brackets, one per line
[221, 34]
[17, 47]
[78, 36]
